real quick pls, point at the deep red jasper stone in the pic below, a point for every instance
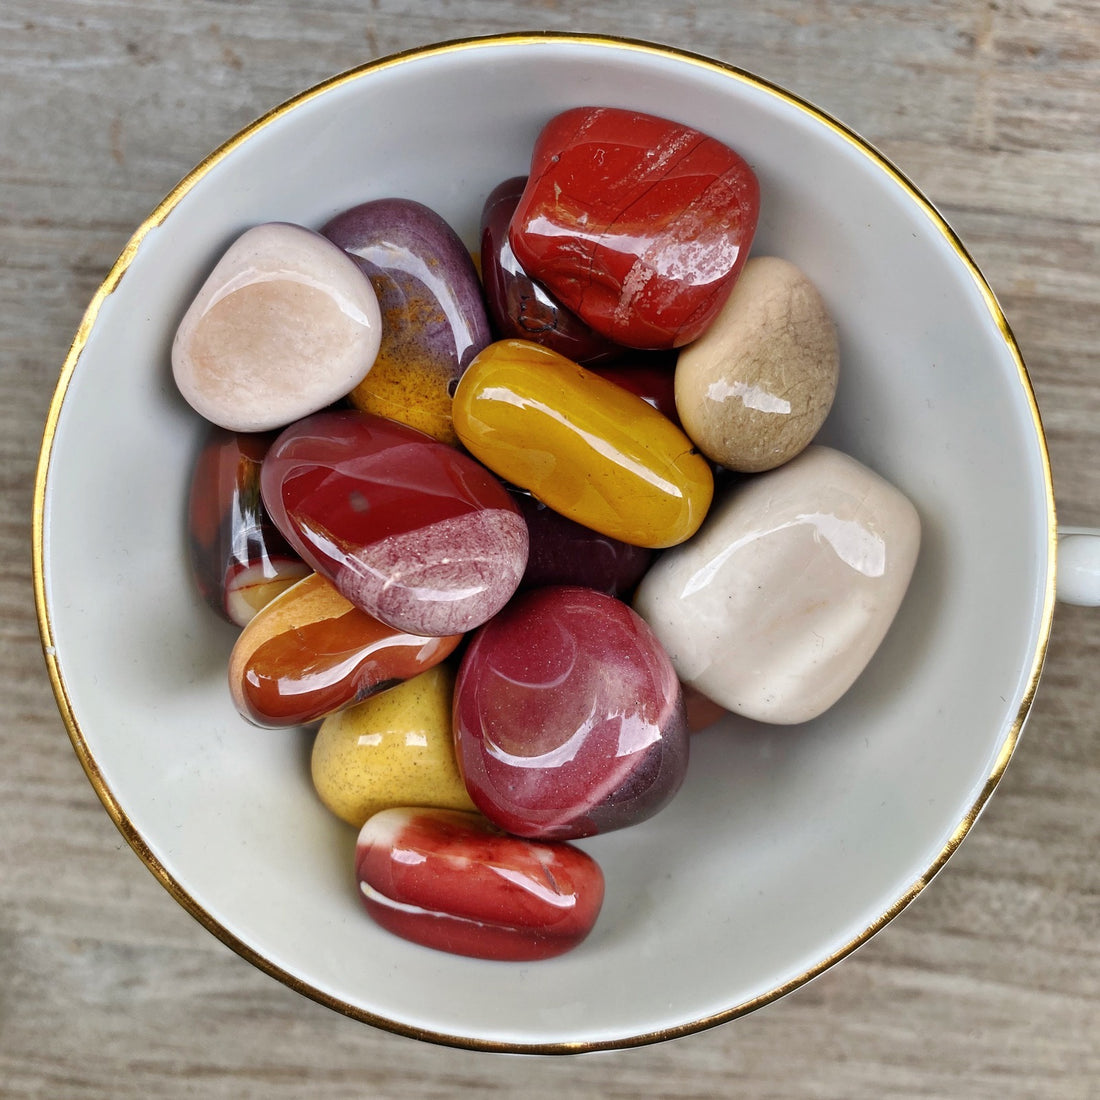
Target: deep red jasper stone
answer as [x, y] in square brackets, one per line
[637, 224]
[409, 529]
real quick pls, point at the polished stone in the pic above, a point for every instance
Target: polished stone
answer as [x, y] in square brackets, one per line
[284, 325]
[433, 315]
[754, 390]
[568, 716]
[636, 223]
[409, 529]
[522, 308]
[310, 653]
[393, 749]
[775, 608]
[451, 881]
[586, 447]
[239, 559]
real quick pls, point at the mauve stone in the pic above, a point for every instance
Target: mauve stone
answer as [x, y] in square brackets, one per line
[433, 315]
[568, 717]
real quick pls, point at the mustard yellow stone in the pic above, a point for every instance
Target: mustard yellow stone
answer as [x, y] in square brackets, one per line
[585, 447]
[393, 749]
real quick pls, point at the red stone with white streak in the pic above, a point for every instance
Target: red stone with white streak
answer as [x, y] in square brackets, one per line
[637, 224]
[449, 879]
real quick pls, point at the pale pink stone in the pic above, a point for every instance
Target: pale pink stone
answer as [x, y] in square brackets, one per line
[284, 325]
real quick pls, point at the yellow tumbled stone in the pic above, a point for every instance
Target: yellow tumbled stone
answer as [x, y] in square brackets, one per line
[584, 446]
[393, 749]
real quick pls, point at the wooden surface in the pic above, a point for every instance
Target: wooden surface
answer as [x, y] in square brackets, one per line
[987, 986]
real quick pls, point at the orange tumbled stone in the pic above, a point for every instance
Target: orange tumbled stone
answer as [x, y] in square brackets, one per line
[310, 652]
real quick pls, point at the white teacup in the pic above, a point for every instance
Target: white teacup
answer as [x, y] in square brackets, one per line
[788, 846]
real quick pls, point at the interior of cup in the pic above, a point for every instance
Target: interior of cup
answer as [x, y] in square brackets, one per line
[787, 845]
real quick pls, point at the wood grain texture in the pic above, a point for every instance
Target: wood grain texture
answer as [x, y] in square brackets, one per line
[987, 986]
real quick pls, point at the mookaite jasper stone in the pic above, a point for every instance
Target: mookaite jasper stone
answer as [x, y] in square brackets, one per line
[309, 653]
[393, 749]
[407, 528]
[568, 717]
[450, 880]
[586, 447]
[755, 388]
[284, 325]
[239, 559]
[778, 604]
[637, 224]
[520, 307]
[433, 316]
[564, 552]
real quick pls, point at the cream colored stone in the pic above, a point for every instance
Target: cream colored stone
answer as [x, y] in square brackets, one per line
[779, 602]
[284, 325]
[754, 389]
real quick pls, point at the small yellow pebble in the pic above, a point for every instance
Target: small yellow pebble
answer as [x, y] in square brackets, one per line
[393, 749]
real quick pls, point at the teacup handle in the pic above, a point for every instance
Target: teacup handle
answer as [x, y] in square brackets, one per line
[1079, 565]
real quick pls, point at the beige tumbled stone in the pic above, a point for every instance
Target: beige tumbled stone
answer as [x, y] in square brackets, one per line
[755, 388]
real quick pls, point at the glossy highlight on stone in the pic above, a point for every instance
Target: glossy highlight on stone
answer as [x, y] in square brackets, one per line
[284, 325]
[775, 608]
[433, 316]
[520, 307]
[451, 881]
[407, 528]
[637, 224]
[568, 716]
[586, 447]
[310, 652]
[393, 749]
[239, 560]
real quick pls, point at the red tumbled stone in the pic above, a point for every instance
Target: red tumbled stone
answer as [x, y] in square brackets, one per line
[448, 879]
[409, 529]
[637, 224]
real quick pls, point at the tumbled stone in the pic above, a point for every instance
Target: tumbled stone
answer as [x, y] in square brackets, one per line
[433, 316]
[777, 605]
[239, 560]
[586, 447]
[565, 552]
[284, 325]
[636, 223]
[409, 529]
[393, 749]
[451, 881]
[568, 717]
[755, 388]
[520, 307]
[310, 653]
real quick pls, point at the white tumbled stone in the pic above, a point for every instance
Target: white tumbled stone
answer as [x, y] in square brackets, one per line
[779, 602]
[284, 325]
